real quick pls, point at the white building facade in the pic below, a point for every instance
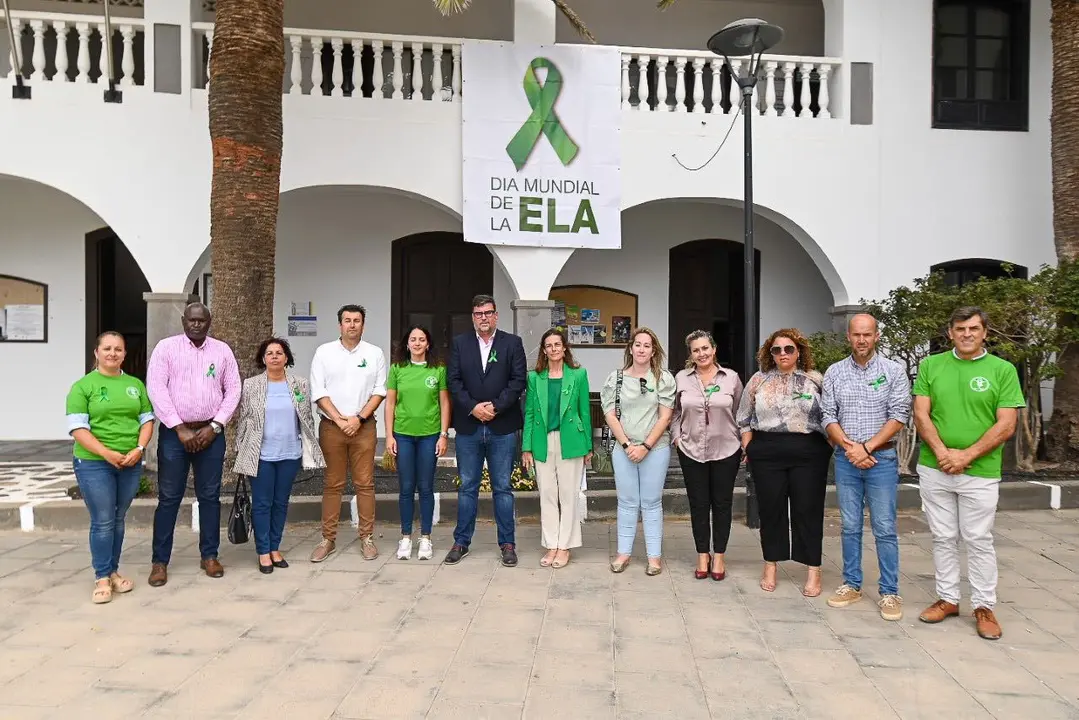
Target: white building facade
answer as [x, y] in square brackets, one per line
[920, 140]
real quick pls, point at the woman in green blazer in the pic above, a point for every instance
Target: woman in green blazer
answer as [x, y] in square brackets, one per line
[557, 440]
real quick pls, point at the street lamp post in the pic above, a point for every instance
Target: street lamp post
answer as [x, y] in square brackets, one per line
[749, 37]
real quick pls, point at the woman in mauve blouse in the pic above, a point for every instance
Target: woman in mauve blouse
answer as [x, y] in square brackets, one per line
[788, 454]
[706, 435]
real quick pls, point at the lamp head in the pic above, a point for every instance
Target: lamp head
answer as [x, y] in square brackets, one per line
[749, 36]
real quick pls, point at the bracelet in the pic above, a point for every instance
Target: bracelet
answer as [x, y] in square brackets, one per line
[866, 449]
[647, 447]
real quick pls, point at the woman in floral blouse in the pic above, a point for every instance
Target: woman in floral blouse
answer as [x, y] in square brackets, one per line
[788, 453]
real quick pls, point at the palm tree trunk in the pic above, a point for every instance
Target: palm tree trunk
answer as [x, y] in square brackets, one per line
[1063, 435]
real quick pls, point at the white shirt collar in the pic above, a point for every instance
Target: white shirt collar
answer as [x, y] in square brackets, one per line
[979, 357]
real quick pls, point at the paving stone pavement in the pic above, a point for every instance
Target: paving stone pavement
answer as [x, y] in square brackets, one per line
[396, 639]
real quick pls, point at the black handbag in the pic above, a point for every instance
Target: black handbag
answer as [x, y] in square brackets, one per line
[240, 517]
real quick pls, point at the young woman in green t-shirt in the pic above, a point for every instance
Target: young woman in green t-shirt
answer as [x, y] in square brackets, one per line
[417, 426]
[110, 417]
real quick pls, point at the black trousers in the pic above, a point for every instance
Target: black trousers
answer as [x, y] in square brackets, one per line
[790, 470]
[710, 489]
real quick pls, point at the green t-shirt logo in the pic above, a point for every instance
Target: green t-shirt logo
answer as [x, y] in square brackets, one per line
[133, 392]
[431, 382]
[980, 384]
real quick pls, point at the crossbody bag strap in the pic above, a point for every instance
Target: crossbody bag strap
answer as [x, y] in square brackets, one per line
[618, 397]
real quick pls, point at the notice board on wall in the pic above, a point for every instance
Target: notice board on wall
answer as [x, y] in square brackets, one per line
[23, 310]
[594, 316]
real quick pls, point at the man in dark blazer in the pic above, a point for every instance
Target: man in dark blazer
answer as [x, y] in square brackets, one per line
[486, 376]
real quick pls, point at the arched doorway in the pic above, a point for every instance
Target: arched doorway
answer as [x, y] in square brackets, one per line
[114, 298]
[706, 292]
[435, 275]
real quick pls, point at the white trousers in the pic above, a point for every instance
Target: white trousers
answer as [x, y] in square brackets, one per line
[962, 506]
[559, 484]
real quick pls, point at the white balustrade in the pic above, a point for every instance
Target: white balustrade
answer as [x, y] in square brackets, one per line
[51, 61]
[404, 79]
[787, 86]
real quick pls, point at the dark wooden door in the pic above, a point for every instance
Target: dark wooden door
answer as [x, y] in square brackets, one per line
[435, 276]
[114, 299]
[706, 293]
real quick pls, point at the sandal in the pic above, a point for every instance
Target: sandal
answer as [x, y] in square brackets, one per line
[556, 563]
[806, 591]
[120, 583]
[102, 592]
[548, 559]
[765, 585]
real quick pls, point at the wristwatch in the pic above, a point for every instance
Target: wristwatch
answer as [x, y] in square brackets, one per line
[140, 448]
[625, 445]
[361, 418]
[216, 427]
[444, 434]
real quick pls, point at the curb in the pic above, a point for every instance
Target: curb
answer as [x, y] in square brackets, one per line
[602, 505]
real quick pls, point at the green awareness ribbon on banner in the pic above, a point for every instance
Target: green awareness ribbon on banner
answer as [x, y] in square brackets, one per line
[543, 120]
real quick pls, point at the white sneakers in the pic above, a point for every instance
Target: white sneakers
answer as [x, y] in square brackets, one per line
[426, 551]
[404, 549]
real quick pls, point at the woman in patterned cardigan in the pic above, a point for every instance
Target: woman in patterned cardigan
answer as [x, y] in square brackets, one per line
[276, 435]
[788, 453]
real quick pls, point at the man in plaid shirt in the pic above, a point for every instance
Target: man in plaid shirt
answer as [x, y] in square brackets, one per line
[865, 402]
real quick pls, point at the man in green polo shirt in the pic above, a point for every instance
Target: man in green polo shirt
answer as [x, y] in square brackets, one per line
[965, 407]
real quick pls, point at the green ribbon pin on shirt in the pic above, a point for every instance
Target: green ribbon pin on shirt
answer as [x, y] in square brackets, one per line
[876, 384]
[543, 120]
[211, 371]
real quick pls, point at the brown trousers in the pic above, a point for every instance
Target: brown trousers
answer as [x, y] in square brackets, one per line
[354, 455]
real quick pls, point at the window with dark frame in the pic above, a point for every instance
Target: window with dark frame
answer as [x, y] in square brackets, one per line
[981, 64]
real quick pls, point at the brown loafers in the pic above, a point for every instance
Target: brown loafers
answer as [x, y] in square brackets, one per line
[939, 611]
[212, 567]
[987, 624]
[159, 574]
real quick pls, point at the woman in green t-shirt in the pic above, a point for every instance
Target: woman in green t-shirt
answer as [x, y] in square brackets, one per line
[417, 425]
[110, 417]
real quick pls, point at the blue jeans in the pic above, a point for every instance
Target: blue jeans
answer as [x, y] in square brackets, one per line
[498, 450]
[270, 490]
[173, 462]
[107, 492]
[416, 463]
[875, 488]
[639, 487]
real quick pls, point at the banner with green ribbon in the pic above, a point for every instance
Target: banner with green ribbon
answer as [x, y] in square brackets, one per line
[543, 120]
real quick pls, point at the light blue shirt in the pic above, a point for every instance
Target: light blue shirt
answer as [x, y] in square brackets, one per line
[281, 435]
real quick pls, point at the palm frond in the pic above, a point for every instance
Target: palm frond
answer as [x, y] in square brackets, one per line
[574, 20]
[664, 4]
[448, 7]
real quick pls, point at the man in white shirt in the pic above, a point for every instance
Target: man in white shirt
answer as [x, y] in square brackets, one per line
[348, 383]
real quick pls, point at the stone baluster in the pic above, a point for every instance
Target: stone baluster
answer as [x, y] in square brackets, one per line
[82, 62]
[736, 92]
[296, 70]
[417, 71]
[378, 73]
[679, 84]
[61, 52]
[770, 88]
[788, 89]
[804, 96]
[337, 70]
[643, 61]
[625, 80]
[316, 66]
[209, 52]
[457, 73]
[698, 85]
[127, 62]
[103, 60]
[662, 89]
[822, 97]
[398, 81]
[756, 91]
[16, 27]
[38, 57]
[716, 69]
[357, 68]
[438, 82]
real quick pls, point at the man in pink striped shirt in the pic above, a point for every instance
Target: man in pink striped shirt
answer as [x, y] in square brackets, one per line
[194, 385]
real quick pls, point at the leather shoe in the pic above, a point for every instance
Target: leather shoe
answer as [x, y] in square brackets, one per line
[282, 563]
[988, 627]
[159, 574]
[939, 611]
[212, 567]
[265, 569]
[509, 555]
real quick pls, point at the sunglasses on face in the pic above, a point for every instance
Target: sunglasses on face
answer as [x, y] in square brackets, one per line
[644, 386]
[778, 350]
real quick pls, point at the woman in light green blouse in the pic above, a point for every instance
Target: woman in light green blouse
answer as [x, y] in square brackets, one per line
[638, 402]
